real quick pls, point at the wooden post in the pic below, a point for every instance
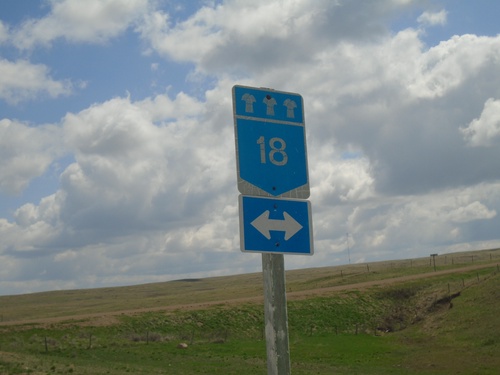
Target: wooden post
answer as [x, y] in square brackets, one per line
[275, 314]
[434, 260]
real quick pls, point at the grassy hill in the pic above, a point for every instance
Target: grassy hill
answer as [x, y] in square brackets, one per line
[405, 316]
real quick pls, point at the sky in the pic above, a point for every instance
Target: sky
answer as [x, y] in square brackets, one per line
[117, 148]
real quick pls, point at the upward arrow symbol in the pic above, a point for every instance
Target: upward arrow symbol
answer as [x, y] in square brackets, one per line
[264, 225]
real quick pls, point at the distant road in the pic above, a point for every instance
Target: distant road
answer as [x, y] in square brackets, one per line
[109, 318]
[394, 280]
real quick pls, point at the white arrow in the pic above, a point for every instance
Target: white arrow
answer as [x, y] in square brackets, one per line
[264, 225]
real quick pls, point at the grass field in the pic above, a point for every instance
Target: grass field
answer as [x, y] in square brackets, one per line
[400, 317]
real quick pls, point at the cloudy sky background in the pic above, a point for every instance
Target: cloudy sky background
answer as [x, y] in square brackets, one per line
[117, 160]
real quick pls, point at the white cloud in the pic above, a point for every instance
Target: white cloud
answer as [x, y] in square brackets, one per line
[124, 166]
[416, 222]
[402, 106]
[21, 80]
[335, 179]
[250, 37]
[446, 66]
[433, 18]
[485, 130]
[151, 192]
[25, 153]
[161, 108]
[142, 165]
[90, 21]
[473, 211]
[4, 33]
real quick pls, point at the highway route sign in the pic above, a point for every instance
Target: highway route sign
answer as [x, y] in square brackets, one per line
[271, 153]
[275, 225]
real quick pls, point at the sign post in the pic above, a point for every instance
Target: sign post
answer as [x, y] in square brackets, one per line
[271, 161]
[275, 315]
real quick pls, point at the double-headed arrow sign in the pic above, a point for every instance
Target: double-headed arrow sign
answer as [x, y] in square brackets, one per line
[265, 225]
[275, 225]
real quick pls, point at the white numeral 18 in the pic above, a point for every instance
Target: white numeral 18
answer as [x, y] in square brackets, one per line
[277, 146]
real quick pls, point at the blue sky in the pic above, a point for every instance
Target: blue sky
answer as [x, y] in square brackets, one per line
[117, 162]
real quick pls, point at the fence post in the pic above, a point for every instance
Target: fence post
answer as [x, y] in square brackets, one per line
[434, 260]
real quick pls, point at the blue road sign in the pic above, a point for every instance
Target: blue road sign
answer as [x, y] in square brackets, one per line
[268, 104]
[270, 143]
[269, 225]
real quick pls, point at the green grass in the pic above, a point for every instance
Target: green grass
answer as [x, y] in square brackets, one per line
[148, 296]
[440, 324]
[463, 339]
